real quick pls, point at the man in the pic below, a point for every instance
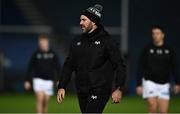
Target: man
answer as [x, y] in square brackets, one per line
[43, 67]
[95, 58]
[157, 63]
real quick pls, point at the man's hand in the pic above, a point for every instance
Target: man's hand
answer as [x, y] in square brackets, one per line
[139, 90]
[176, 89]
[60, 95]
[27, 85]
[116, 96]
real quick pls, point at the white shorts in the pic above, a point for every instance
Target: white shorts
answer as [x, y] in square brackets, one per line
[152, 89]
[43, 85]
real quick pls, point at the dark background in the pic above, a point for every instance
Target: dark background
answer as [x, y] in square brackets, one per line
[16, 48]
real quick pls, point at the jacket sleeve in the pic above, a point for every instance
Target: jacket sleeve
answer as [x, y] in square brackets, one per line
[119, 66]
[67, 70]
[31, 66]
[57, 66]
[141, 69]
[174, 66]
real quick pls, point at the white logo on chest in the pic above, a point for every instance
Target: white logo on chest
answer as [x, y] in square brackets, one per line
[159, 51]
[166, 51]
[151, 51]
[97, 42]
[39, 56]
[45, 56]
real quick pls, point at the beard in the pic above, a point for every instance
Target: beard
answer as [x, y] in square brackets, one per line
[86, 29]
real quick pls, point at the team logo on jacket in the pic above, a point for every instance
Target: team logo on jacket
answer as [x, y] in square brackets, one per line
[39, 56]
[78, 43]
[93, 96]
[97, 42]
[159, 51]
[166, 51]
[151, 51]
[48, 56]
[45, 56]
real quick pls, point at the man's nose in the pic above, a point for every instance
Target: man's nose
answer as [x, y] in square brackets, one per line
[80, 22]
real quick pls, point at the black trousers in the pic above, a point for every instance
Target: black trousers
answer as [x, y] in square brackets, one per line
[93, 101]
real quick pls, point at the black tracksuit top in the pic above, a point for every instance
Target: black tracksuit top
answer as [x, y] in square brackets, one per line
[157, 64]
[44, 65]
[95, 58]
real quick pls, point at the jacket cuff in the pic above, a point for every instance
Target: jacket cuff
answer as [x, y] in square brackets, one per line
[121, 88]
[61, 86]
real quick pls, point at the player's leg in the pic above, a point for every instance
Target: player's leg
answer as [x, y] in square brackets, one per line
[163, 105]
[48, 88]
[46, 102]
[83, 100]
[164, 96]
[39, 101]
[37, 87]
[150, 93]
[97, 103]
[152, 104]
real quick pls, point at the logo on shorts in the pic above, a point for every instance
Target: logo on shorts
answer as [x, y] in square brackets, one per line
[94, 97]
[151, 92]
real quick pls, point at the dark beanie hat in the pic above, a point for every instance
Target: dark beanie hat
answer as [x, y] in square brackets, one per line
[93, 13]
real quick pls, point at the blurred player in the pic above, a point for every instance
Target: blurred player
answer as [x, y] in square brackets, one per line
[43, 67]
[95, 58]
[157, 63]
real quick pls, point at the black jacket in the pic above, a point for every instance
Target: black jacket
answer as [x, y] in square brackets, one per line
[157, 64]
[43, 65]
[95, 58]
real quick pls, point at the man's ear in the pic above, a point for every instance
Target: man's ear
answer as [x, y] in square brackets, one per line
[93, 23]
[163, 36]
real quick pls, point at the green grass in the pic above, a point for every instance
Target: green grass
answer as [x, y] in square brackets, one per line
[20, 103]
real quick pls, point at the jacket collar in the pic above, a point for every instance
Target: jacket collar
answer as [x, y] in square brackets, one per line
[50, 50]
[95, 34]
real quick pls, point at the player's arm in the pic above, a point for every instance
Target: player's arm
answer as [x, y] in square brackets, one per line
[119, 66]
[57, 68]
[174, 66]
[65, 77]
[140, 71]
[30, 71]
